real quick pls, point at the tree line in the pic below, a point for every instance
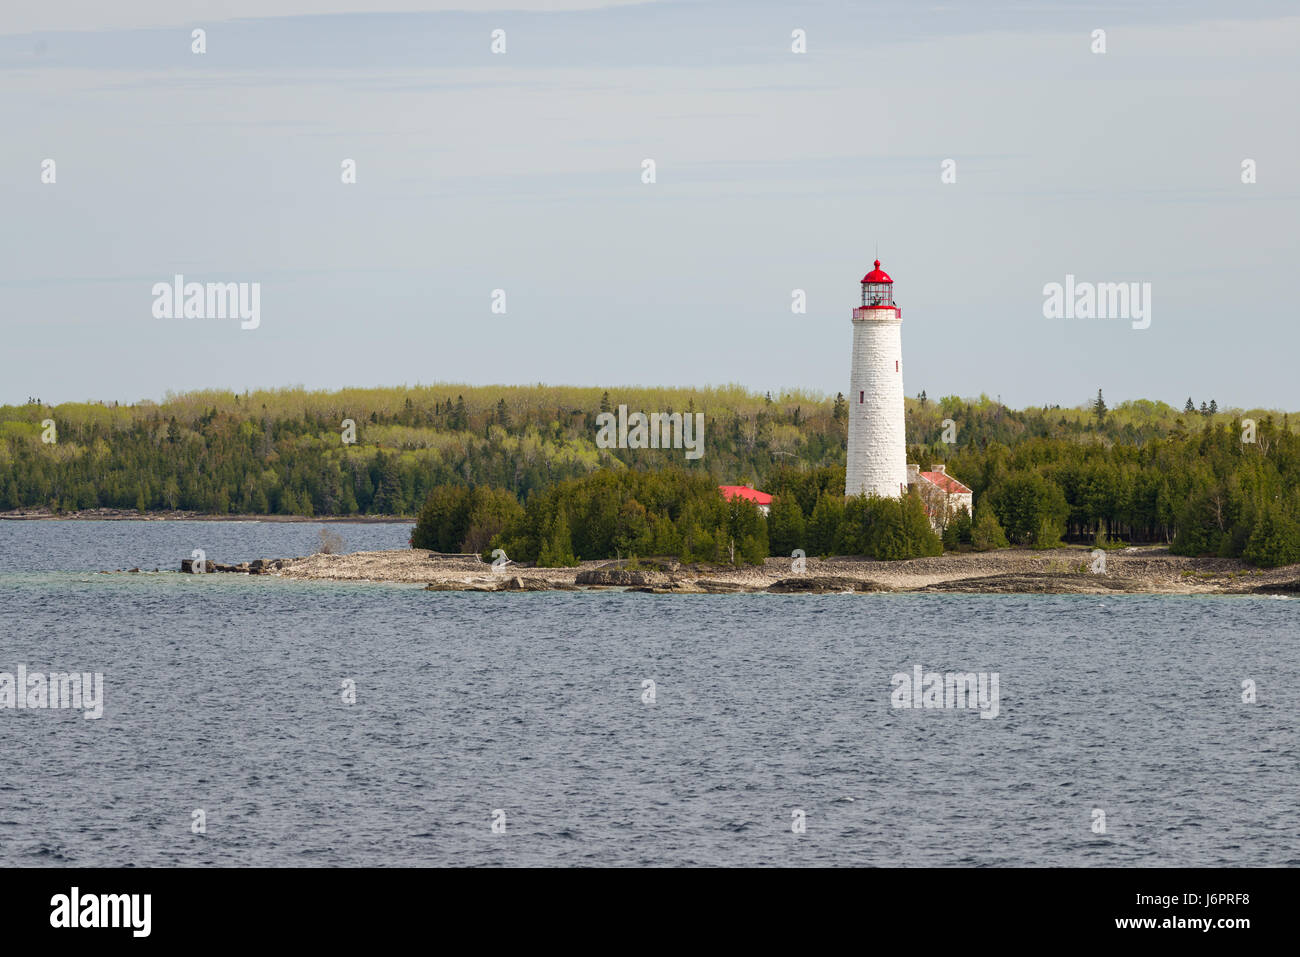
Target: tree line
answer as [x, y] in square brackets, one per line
[1207, 482]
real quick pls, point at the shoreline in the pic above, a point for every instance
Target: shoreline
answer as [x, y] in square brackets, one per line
[1147, 570]
[123, 515]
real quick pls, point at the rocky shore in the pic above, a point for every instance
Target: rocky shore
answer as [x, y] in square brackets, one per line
[1144, 570]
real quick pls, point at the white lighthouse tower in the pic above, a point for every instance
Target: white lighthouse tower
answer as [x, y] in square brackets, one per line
[877, 437]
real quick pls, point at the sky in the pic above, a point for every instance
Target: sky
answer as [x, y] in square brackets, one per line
[524, 172]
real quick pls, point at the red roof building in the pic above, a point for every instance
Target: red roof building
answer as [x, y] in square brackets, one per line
[761, 499]
[942, 494]
[946, 482]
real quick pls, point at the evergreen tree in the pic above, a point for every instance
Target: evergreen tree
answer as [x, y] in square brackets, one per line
[1190, 407]
[840, 411]
[557, 546]
[824, 524]
[957, 531]
[986, 534]
[785, 526]
[1275, 540]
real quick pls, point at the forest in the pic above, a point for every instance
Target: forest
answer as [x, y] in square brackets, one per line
[519, 466]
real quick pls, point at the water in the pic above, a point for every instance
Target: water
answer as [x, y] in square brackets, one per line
[223, 694]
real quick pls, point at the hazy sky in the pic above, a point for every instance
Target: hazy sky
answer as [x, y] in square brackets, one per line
[775, 171]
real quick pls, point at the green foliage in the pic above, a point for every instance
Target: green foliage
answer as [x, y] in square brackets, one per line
[457, 519]
[1141, 472]
[1030, 508]
[786, 527]
[986, 534]
[959, 530]
[556, 550]
[443, 520]
[1275, 540]
[887, 529]
[746, 532]
[824, 523]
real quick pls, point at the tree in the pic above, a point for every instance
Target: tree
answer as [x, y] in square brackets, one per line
[859, 515]
[1275, 541]
[986, 534]
[840, 410]
[1190, 407]
[824, 523]
[633, 536]
[489, 512]
[443, 520]
[1214, 407]
[747, 531]
[919, 538]
[1099, 409]
[557, 545]
[957, 531]
[389, 497]
[1031, 508]
[785, 525]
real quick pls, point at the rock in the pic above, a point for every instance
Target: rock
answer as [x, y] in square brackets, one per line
[1277, 588]
[678, 586]
[524, 584]
[187, 566]
[821, 584]
[712, 587]
[623, 577]
[1037, 583]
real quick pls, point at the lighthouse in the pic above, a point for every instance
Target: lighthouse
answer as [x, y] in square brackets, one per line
[877, 462]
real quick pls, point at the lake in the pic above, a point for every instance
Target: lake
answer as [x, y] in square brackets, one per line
[227, 700]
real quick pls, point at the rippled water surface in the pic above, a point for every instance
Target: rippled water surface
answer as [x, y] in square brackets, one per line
[223, 693]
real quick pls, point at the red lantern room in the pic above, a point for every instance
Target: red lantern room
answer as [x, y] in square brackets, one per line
[877, 288]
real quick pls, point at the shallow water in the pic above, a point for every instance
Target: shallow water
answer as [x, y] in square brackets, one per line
[223, 693]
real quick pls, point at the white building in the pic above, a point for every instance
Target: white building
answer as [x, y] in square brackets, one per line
[942, 494]
[877, 463]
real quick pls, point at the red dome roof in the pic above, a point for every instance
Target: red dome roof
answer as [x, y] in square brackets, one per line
[877, 275]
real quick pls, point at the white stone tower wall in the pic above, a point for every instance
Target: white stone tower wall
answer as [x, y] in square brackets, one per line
[877, 461]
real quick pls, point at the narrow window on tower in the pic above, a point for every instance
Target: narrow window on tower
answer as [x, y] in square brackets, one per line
[895, 365]
[861, 397]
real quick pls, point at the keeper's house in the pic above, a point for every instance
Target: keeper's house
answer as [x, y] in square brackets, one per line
[761, 499]
[942, 494]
